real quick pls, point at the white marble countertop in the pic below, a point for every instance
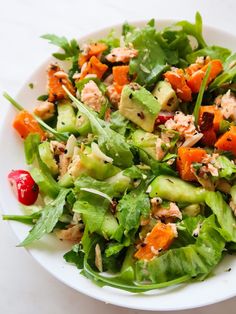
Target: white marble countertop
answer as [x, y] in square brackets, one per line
[24, 286]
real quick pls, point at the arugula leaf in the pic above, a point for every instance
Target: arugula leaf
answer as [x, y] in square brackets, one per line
[114, 145]
[177, 46]
[26, 219]
[57, 135]
[157, 168]
[214, 52]
[118, 123]
[110, 142]
[151, 59]
[193, 260]
[223, 213]
[200, 95]
[70, 48]
[130, 209]
[93, 210]
[194, 30]
[127, 28]
[75, 256]
[125, 280]
[49, 218]
[228, 75]
[111, 40]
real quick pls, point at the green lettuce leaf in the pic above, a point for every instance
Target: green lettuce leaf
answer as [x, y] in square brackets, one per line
[26, 219]
[224, 215]
[194, 30]
[96, 214]
[130, 209]
[214, 52]
[186, 230]
[88, 182]
[111, 40]
[125, 279]
[157, 167]
[151, 60]
[200, 95]
[119, 123]
[75, 256]
[194, 260]
[70, 48]
[113, 187]
[227, 168]
[71, 51]
[48, 219]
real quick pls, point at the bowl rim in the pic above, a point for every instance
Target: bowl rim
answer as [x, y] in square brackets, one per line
[114, 301]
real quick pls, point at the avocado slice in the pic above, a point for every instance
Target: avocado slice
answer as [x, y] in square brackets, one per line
[140, 106]
[47, 157]
[166, 96]
[145, 141]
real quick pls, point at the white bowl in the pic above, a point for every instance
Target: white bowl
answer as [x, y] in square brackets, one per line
[49, 251]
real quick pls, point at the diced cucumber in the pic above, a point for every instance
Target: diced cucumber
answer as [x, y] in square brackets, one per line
[66, 181]
[82, 124]
[145, 141]
[176, 190]
[66, 120]
[47, 157]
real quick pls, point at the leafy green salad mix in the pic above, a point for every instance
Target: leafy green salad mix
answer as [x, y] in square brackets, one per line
[132, 156]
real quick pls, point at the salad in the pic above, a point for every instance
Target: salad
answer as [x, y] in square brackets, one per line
[132, 156]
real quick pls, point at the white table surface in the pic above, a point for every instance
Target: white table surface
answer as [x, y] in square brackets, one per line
[24, 286]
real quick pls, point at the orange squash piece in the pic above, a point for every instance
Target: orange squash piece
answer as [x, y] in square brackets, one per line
[178, 83]
[94, 66]
[93, 50]
[120, 77]
[55, 90]
[217, 115]
[187, 156]
[24, 123]
[121, 74]
[160, 238]
[209, 135]
[228, 141]
[192, 68]
[195, 80]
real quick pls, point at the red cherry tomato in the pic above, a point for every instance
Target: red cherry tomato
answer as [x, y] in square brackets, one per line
[24, 187]
[164, 116]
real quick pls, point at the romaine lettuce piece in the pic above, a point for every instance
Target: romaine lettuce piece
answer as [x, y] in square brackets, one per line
[195, 260]
[224, 215]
